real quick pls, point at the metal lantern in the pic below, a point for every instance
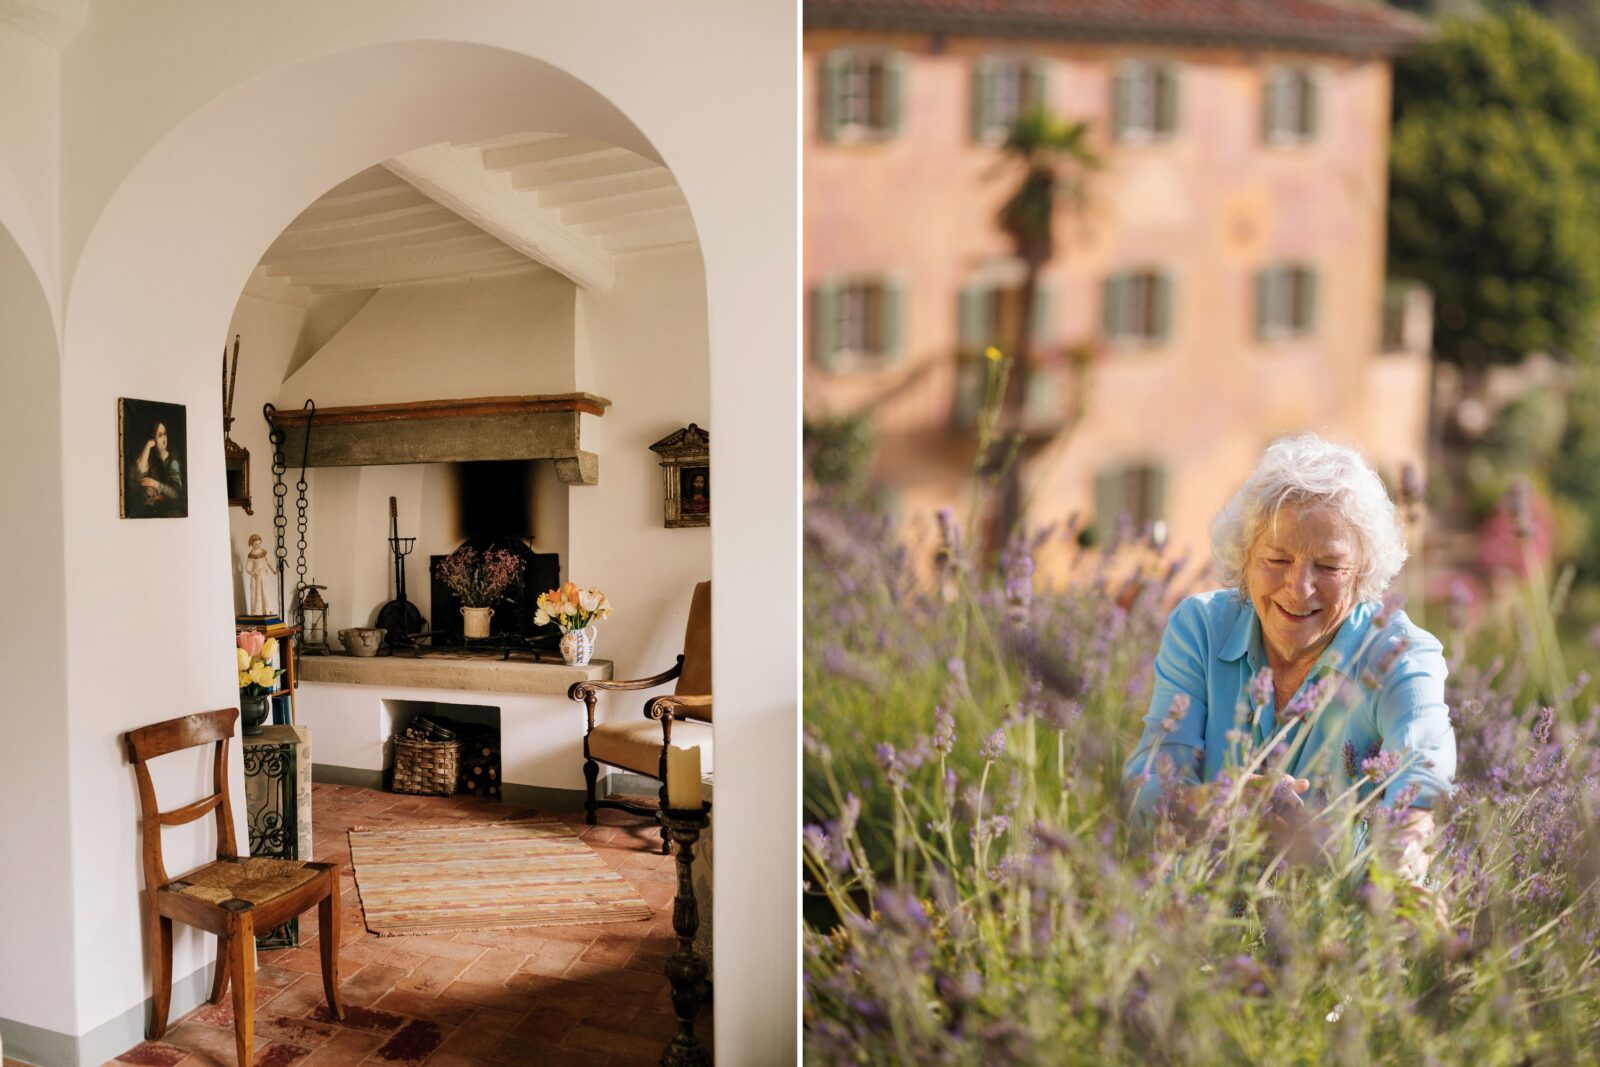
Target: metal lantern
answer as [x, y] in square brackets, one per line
[313, 620]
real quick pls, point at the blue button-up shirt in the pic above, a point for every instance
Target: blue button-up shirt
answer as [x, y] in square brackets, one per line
[1389, 697]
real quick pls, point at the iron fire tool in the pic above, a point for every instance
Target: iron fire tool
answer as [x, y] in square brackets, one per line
[399, 617]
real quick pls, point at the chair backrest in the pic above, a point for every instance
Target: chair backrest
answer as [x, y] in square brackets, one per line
[695, 678]
[158, 739]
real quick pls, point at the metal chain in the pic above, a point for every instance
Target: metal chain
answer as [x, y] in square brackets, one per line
[300, 506]
[280, 522]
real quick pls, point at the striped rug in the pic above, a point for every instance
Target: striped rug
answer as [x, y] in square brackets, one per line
[428, 881]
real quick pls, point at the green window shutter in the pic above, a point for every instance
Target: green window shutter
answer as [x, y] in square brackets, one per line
[1263, 303]
[824, 324]
[1271, 90]
[1036, 93]
[1108, 503]
[1040, 327]
[1111, 311]
[891, 320]
[1308, 295]
[1155, 493]
[828, 95]
[1163, 306]
[1311, 104]
[894, 77]
[1121, 101]
[973, 327]
[1167, 99]
[982, 75]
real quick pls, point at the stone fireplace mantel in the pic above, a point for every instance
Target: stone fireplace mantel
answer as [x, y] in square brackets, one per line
[467, 673]
[449, 431]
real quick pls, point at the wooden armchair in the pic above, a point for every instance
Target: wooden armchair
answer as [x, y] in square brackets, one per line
[682, 718]
[234, 896]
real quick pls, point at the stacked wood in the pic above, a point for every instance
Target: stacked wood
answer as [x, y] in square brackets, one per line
[480, 763]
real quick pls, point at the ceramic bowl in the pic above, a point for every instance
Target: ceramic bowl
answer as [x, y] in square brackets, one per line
[362, 640]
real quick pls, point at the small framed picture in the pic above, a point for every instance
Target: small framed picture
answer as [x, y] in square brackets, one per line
[153, 458]
[686, 476]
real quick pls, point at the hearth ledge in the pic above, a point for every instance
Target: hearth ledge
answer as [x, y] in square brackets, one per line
[435, 672]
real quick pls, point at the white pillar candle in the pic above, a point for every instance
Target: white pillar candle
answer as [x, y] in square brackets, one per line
[683, 778]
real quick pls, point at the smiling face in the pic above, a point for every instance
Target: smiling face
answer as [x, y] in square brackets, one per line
[1302, 581]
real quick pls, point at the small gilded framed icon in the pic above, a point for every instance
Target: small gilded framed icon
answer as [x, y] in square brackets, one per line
[686, 477]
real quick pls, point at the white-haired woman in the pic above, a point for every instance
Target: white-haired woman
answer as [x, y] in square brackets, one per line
[1298, 644]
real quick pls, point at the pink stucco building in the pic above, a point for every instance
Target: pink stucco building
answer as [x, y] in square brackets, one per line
[1222, 285]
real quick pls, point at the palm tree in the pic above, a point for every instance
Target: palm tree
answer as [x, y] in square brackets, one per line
[1055, 160]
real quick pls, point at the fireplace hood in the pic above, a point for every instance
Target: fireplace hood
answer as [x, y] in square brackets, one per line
[448, 431]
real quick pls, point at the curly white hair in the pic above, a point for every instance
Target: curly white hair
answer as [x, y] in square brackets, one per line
[1306, 469]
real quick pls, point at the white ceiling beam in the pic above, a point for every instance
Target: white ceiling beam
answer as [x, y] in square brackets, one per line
[639, 220]
[532, 153]
[329, 260]
[489, 202]
[604, 188]
[55, 22]
[432, 228]
[612, 207]
[535, 178]
[677, 233]
[453, 268]
[359, 206]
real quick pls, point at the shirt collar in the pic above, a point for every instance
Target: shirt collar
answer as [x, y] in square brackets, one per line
[1245, 639]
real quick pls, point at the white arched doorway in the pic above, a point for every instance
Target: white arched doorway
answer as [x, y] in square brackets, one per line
[151, 293]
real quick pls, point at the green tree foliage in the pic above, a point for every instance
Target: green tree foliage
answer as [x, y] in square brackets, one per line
[1575, 467]
[1494, 170]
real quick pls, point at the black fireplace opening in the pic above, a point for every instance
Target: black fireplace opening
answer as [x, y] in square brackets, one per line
[495, 502]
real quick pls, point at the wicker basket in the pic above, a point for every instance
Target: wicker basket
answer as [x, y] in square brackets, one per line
[428, 768]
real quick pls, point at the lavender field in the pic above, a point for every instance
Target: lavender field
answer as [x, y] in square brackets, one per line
[976, 894]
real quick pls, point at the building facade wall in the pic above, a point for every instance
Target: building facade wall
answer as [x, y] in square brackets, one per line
[1210, 206]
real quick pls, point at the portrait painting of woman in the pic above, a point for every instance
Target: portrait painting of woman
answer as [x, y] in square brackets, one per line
[153, 449]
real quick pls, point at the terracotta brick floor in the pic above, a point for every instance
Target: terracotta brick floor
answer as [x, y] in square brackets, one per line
[592, 995]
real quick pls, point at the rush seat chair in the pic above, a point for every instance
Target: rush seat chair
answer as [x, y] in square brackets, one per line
[234, 896]
[681, 718]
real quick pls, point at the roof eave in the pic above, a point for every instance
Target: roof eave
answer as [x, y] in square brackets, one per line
[1037, 27]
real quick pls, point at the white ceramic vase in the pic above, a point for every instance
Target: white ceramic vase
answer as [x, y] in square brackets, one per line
[578, 645]
[475, 621]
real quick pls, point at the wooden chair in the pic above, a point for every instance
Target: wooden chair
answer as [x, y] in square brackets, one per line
[233, 897]
[682, 718]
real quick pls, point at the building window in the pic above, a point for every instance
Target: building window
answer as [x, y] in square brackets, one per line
[1138, 306]
[1129, 498]
[991, 314]
[1144, 105]
[1003, 90]
[1286, 302]
[1290, 104]
[861, 95]
[856, 323]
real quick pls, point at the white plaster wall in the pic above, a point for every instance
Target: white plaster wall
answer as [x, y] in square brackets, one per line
[30, 131]
[193, 133]
[36, 900]
[509, 336]
[541, 737]
[269, 332]
[648, 355]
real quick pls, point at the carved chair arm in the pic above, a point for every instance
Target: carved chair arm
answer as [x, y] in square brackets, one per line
[589, 691]
[671, 706]
[581, 690]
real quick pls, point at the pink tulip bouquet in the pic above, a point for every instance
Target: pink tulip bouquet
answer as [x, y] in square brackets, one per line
[254, 651]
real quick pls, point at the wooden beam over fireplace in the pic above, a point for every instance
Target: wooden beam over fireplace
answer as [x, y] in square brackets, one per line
[448, 431]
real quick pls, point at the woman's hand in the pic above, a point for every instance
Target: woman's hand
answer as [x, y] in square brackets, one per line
[1282, 805]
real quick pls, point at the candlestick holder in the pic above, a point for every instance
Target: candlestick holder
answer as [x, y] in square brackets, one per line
[685, 969]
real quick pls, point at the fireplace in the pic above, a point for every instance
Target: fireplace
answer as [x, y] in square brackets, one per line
[495, 509]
